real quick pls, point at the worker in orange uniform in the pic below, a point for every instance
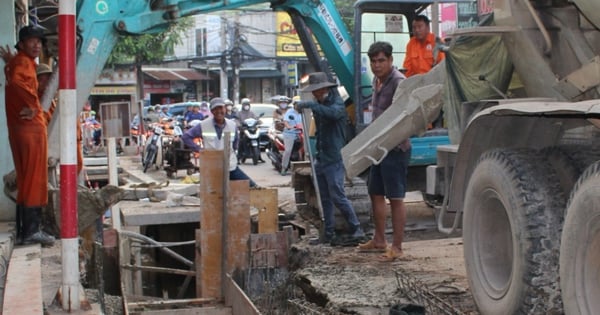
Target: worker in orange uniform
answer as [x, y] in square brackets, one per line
[28, 135]
[422, 51]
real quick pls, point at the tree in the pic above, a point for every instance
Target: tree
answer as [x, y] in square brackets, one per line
[346, 9]
[148, 48]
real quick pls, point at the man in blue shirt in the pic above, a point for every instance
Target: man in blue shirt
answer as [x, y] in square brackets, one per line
[195, 114]
[330, 117]
[211, 132]
[291, 131]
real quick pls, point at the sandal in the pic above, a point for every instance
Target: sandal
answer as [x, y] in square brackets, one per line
[390, 254]
[370, 247]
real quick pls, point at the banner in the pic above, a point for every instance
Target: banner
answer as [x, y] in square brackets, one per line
[288, 42]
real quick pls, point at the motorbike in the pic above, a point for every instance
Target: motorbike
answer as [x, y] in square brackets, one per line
[177, 154]
[152, 148]
[277, 147]
[248, 146]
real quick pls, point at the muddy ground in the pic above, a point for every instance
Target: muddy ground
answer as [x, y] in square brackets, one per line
[339, 280]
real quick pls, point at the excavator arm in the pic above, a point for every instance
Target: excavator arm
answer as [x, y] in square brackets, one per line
[100, 23]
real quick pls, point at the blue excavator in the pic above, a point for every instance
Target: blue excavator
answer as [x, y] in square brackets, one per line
[523, 171]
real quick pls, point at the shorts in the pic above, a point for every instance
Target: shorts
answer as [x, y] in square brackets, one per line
[389, 177]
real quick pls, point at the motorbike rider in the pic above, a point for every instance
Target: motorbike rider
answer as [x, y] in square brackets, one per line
[195, 114]
[151, 116]
[164, 113]
[291, 131]
[229, 113]
[278, 114]
[246, 113]
[211, 131]
[205, 110]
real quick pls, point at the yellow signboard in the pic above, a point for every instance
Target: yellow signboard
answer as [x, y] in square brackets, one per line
[288, 42]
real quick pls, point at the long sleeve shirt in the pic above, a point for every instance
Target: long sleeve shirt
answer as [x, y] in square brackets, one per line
[330, 118]
[21, 92]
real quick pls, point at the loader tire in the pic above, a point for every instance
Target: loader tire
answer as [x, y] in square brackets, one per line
[569, 162]
[511, 227]
[580, 246]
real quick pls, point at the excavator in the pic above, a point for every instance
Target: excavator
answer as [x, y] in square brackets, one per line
[521, 98]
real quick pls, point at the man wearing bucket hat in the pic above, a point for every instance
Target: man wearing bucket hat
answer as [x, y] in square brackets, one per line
[27, 134]
[211, 130]
[330, 118]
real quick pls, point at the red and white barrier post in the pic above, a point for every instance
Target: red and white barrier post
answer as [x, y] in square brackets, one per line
[68, 155]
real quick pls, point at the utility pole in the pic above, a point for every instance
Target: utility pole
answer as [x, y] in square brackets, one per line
[236, 60]
[224, 81]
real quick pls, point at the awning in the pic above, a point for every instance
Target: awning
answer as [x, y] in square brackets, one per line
[259, 74]
[176, 75]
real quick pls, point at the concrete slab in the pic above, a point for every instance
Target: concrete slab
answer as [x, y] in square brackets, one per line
[135, 213]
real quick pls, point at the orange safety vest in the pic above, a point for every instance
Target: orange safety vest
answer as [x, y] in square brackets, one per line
[419, 55]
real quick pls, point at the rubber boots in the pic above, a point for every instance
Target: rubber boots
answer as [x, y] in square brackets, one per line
[19, 226]
[32, 233]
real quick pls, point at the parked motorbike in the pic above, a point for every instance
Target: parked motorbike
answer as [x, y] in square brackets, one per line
[277, 147]
[152, 148]
[248, 146]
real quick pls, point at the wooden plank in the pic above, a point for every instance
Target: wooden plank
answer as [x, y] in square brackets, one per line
[238, 225]
[194, 311]
[268, 250]
[211, 212]
[160, 270]
[126, 275]
[213, 310]
[237, 300]
[282, 249]
[171, 303]
[135, 213]
[23, 287]
[198, 263]
[265, 200]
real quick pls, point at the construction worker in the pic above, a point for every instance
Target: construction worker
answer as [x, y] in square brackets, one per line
[421, 48]
[28, 136]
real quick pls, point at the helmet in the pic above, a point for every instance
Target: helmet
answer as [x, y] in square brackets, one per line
[93, 112]
[284, 99]
[165, 107]
[245, 101]
[43, 68]
[228, 102]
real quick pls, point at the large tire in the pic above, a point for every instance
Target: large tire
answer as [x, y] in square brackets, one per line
[580, 246]
[511, 226]
[569, 162]
[255, 155]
